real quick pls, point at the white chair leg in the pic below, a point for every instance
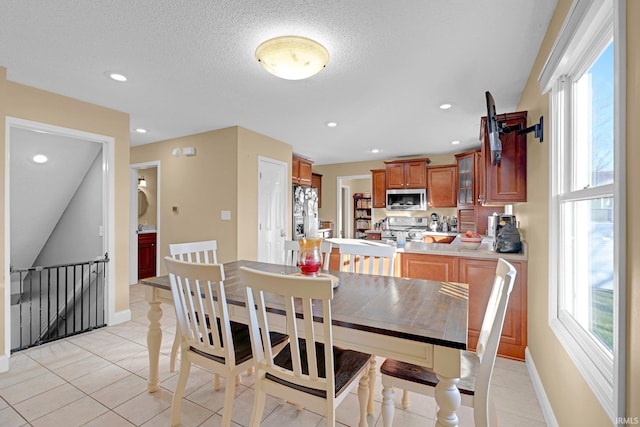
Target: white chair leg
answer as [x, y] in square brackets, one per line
[176, 403]
[405, 399]
[229, 394]
[372, 385]
[258, 408]
[363, 398]
[174, 350]
[216, 382]
[238, 379]
[387, 405]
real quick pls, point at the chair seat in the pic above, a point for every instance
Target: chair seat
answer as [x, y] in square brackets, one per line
[347, 363]
[241, 343]
[417, 374]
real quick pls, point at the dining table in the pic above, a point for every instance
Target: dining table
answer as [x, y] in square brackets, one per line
[422, 322]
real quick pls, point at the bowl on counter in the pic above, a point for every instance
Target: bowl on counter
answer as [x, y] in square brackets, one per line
[470, 242]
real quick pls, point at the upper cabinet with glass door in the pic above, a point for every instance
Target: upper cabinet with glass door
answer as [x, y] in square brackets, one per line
[468, 181]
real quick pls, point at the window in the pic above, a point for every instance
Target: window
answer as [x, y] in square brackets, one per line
[586, 253]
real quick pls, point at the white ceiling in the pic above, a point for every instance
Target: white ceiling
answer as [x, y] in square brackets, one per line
[191, 67]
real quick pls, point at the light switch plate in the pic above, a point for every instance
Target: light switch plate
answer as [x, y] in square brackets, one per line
[225, 215]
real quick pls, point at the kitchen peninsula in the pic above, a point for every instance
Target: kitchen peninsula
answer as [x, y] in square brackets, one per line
[450, 262]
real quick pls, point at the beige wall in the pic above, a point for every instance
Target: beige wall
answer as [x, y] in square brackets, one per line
[36, 105]
[572, 401]
[223, 175]
[251, 146]
[633, 208]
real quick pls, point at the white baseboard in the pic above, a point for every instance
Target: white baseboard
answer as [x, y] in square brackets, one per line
[547, 411]
[4, 363]
[120, 317]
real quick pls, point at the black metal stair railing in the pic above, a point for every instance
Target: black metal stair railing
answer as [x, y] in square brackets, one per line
[54, 302]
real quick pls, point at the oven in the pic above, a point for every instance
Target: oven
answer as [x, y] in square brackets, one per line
[413, 227]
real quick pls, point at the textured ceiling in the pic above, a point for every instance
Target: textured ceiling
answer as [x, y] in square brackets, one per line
[191, 66]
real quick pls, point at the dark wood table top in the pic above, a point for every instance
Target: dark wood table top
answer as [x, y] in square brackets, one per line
[419, 310]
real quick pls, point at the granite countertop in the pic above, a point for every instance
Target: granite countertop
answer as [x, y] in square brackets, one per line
[455, 249]
[451, 249]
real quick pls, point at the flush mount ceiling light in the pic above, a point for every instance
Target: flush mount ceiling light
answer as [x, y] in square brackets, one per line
[445, 106]
[292, 57]
[40, 158]
[116, 76]
[332, 124]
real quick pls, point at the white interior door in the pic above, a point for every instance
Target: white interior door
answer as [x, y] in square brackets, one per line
[272, 209]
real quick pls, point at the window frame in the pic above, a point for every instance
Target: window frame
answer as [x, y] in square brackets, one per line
[589, 26]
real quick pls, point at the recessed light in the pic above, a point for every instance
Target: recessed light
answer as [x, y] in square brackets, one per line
[40, 158]
[455, 142]
[445, 106]
[375, 150]
[332, 124]
[116, 76]
[140, 130]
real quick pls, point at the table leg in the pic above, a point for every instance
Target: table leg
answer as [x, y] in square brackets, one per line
[448, 400]
[387, 405]
[154, 341]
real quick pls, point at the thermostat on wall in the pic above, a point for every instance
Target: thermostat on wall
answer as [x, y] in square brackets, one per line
[189, 151]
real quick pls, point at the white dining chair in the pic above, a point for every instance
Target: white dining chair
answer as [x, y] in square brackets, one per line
[363, 258]
[309, 370]
[202, 252]
[207, 337]
[292, 248]
[368, 258]
[476, 368]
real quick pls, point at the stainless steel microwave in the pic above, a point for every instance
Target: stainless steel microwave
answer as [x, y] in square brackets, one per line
[407, 200]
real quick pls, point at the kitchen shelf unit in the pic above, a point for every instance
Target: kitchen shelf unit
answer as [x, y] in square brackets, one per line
[361, 216]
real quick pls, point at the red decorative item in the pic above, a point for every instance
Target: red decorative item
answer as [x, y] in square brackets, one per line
[309, 256]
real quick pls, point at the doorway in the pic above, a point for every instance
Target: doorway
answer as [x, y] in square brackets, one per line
[344, 203]
[144, 212]
[60, 207]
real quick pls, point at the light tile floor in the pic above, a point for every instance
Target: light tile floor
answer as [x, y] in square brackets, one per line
[100, 379]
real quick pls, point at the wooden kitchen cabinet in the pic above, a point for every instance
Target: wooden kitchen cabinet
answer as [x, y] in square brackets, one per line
[146, 255]
[505, 182]
[378, 188]
[316, 182]
[468, 182]
[405, 174]
[479, 274]
[441, 186]
[301, 171]
[467, 220]
[429, 267]
[476, 218]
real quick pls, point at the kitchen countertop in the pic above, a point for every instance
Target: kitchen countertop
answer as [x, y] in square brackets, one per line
[146, 231]
[451, 249]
